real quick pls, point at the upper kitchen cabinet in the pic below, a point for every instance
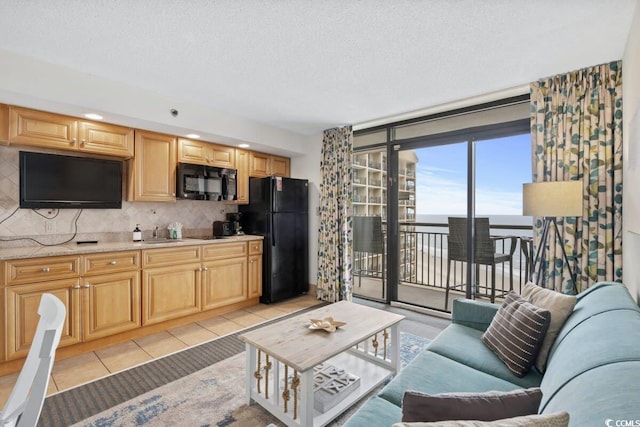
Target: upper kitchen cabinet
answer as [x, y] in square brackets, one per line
[242, 178]
[41, 129]
[262, 165]
[153, 175]
[280, 166]
[205, 153]
[4, 123]
[103, 138]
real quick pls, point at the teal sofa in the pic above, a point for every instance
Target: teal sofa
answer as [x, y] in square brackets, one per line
[593, 370]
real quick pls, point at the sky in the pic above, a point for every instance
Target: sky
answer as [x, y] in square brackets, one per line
[502, 166]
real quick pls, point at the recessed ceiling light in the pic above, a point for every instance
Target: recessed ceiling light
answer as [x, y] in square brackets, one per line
[193, 135]
[93, 116]
[244, 145]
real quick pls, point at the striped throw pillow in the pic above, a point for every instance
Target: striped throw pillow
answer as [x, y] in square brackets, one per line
[516, 333]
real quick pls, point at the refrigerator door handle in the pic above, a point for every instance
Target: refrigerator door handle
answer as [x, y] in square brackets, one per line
[273, 230]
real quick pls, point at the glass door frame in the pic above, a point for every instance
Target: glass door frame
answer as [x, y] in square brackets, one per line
[468, 135]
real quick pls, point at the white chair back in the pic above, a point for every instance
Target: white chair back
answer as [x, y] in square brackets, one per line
[24, 405]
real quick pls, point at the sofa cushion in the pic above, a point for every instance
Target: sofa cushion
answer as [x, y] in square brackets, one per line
[516, 333]
[601, 298]
[604, 338]
[485, 406]
[472, 313]
[607, 392]
[375, 412]
[559, 419]
[559, 305]
[463, 345]
[432, 373]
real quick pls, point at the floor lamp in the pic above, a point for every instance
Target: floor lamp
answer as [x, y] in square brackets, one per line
[551, 200]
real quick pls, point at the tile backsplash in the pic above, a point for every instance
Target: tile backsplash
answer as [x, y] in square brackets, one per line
[51, 226]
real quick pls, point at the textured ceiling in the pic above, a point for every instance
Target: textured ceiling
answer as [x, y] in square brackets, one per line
[305, 66]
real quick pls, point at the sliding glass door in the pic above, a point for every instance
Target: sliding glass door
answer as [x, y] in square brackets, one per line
[432, 186]
[456, 227]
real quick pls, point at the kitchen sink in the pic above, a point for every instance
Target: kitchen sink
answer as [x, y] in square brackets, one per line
[158, 241]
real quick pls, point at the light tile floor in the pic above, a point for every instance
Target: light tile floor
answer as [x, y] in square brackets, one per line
[90, 366]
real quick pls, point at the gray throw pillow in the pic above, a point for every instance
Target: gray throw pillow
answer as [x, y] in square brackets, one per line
[486, 406]
[557, 419]
[516, 333]
[560, 306]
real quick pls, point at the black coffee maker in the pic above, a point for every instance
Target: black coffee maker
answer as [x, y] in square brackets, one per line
[234, 220]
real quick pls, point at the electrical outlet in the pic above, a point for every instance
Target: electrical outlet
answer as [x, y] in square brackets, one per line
[49, 226]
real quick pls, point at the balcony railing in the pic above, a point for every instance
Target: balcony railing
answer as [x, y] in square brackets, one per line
[423, 258]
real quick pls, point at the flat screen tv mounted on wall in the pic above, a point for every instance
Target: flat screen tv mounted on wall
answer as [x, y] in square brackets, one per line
[67, 182]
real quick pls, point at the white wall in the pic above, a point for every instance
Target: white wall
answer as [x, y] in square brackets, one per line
[631, 171]
[308, 167]
[36, 84]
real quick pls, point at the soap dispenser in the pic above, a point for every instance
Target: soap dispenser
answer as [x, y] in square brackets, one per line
[137, 234]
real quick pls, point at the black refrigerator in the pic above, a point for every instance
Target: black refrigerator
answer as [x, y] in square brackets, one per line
[278, 210]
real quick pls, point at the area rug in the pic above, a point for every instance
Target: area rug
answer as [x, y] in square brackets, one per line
[213, 396]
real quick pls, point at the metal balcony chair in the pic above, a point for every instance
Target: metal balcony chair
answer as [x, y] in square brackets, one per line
[24, 405]
[368, 240]
[484, 253]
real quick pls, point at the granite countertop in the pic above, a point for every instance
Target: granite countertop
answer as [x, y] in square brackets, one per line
[74, 249]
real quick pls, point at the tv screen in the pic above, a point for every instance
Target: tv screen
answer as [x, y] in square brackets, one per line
[55, 181]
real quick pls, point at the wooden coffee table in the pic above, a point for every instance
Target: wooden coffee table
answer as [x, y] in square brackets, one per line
[281, 358]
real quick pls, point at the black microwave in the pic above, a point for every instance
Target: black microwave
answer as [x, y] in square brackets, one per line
[199, 182]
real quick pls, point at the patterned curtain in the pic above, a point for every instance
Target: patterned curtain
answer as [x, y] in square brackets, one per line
[576, 132]
[335, 235]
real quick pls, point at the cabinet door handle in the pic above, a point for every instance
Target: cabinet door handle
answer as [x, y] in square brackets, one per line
[72, 141]
[87, 286]
[251, 261]
[205, 269]
[45, 270]
[75, 287]
[113, 262]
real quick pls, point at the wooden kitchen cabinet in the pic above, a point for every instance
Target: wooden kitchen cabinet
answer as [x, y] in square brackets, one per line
[106, 139]
[104, 301]
[32, 270]
[26, 280]
[280, 166]
[170, 292]
[111, 293]
[258, 165]
[224, 274]
[255, 269]
[22, 303]
[224, 282]
[171, 283]
[262, 165]
[205, 153]
[111, 300]
[110, 304]
[153, 172]
[42, 129]
[4, 123]
[242, 177]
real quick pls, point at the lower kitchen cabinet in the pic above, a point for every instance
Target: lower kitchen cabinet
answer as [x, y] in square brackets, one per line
[255, 269]
[225, 282]
[111, 304]
[170, 292]
[108, 293]
[22, 308]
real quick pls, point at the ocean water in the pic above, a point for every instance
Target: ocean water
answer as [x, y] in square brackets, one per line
[502, 220]
[434, 238]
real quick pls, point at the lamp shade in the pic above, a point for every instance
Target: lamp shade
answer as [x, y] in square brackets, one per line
[552, 199]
